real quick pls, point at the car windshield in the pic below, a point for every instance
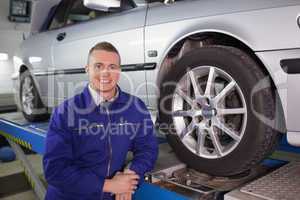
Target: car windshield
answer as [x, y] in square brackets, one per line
[163, 1]
[79, 13]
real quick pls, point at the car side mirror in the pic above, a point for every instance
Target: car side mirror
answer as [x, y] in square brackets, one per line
[102, 5]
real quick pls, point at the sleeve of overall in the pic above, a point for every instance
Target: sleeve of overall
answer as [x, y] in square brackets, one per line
[144, 146]
[59, 168]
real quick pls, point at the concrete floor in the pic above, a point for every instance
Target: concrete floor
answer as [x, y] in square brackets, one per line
[27, 195]
[14, 184]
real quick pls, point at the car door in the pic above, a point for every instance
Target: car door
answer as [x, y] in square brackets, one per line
[83, 29]
[39, 53]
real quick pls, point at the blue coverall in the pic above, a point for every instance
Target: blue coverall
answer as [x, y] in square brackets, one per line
[86, 144]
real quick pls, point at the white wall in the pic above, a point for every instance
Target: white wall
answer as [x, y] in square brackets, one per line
[11, 35]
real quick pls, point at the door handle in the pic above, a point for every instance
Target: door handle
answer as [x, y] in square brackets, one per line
[61, 36]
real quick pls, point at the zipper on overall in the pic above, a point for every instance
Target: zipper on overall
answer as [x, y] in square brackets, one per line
[109, 141]
[109, 144]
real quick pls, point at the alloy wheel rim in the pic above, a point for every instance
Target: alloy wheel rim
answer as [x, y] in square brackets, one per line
[27, 96]
[209, 112]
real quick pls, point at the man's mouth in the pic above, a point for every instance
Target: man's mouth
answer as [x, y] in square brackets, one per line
[105, 81]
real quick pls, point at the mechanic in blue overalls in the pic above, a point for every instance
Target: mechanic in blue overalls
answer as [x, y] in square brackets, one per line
[90, 134]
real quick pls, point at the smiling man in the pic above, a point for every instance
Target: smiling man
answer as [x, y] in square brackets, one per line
[86, 160]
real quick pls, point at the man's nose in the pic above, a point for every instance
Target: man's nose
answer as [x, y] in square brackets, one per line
[105, 72]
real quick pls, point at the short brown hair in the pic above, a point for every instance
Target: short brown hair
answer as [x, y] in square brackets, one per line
[106, 46]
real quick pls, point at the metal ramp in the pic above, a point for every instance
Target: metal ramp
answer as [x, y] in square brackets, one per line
[281, 184]
[175, 176]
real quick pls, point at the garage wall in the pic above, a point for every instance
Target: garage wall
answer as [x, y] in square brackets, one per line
[11, 35]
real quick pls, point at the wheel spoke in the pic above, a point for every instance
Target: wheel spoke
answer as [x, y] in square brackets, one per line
[187, 130]
[28, 100]
[31, 105]
[216, 142]
[27, 82]
[210, 82]
[231, 111]
[196, 87]
[233, 134]
[182, 113]
[29, 89]
[200, 141]
[225, 91]
[184, 96]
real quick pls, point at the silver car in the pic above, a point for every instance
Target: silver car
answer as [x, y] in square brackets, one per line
[222, 77]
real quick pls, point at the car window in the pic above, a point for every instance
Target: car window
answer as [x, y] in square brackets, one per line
[79, 13]
[73, 11]
[60, 15]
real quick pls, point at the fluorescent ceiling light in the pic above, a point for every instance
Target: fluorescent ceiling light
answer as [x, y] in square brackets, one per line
[3, 56]
[35, 59]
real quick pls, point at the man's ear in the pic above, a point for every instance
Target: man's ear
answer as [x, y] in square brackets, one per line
[87, 69]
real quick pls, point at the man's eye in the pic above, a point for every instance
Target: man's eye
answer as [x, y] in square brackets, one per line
[97, 66]
[113, 67]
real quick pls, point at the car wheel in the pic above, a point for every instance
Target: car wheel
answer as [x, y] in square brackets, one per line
[31, 104]
[213, 114]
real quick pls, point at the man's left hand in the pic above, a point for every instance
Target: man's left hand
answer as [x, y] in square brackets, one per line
[125, 196]
[128, 171]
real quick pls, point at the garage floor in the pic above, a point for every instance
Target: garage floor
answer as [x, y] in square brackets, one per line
[14, 184]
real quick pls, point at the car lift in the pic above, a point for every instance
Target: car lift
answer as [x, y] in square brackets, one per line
[275, 179]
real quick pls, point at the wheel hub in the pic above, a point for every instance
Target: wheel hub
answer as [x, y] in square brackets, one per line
[27, 96]
[208, 111]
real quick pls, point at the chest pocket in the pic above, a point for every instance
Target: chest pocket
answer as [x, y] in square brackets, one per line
[125, 129]
[92, 129]
[89, 139]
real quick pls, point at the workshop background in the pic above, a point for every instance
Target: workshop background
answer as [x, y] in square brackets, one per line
[21, 174]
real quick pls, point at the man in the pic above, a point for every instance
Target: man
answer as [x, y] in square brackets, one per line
[90, 134]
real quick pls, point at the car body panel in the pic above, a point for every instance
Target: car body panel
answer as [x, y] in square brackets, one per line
[189, 9]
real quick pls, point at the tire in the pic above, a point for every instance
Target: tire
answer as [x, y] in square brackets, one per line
[34, 110]
[218, 143]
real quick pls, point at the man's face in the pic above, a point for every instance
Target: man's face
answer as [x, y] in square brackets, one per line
[103, 70]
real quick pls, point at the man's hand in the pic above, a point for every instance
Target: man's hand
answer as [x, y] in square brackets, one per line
[125, 196]
[121, 183]
[128, 171]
